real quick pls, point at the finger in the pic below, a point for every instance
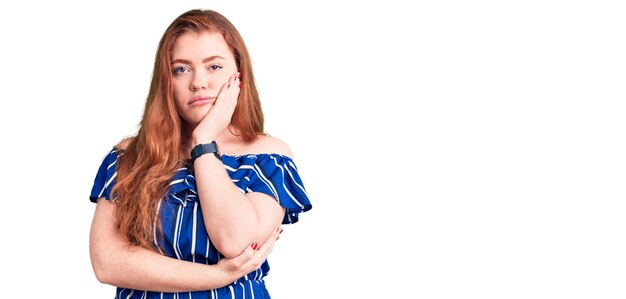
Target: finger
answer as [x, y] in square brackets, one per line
[249, 252]
[227, 87]
[231, 81]
[263, 252]
[245, 256]
[230, 86]
[268, 245]
[235, 98]
[234, 91]
[222, 93]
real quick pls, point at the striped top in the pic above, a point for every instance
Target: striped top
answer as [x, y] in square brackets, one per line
[184, 234]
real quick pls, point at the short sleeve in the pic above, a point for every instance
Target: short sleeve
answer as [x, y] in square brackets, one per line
[105, 178]
[277, 176]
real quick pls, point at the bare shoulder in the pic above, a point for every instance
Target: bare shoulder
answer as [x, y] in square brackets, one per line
[270, 144]
[124, 143]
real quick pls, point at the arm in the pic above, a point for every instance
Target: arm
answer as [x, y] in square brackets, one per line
[234, 219]
[118, 263]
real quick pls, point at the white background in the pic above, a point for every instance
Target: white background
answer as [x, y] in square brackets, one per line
[451, 149]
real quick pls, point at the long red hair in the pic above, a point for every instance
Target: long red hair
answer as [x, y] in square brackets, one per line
[151, 158]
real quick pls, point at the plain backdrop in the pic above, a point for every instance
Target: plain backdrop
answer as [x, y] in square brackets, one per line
[451, 149]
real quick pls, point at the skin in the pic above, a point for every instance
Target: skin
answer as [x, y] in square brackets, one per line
[236, 221]
[118, 263]
[204, 66]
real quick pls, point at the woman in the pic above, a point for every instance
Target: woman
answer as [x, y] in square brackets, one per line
[192, 205]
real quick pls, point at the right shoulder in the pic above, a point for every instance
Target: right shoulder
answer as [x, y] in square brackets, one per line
[124, 143]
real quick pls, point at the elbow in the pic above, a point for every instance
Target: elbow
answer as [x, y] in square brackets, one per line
[109, 272]
[102, 272]
[101, 275]
[230, 246]
[229, 249]
[103, 267]
[232, 242]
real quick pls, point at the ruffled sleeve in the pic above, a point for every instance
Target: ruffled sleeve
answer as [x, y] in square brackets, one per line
[105, 178]
[277, 176]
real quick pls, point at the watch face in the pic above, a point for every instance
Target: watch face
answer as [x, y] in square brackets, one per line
[206, 148]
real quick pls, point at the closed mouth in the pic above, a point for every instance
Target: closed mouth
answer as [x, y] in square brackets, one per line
[197, 99]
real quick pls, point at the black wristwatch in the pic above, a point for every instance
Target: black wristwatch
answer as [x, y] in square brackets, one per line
[206, 148]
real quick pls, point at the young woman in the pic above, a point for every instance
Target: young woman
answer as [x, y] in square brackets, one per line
[191, 206]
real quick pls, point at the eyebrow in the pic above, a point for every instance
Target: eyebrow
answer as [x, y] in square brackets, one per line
[185, 61]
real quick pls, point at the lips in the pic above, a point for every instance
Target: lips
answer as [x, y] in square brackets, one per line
[200, 100]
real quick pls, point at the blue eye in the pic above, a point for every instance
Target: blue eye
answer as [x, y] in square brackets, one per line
[179, 70]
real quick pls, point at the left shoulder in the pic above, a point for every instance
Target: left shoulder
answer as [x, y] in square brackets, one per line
[270, 144]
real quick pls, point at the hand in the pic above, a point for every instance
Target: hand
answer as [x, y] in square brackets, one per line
[219, 116]
[249, 260]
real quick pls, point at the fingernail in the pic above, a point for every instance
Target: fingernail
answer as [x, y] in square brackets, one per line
[228, 84]
[239, 76]
[281, 231]
[278, 238]
[254, 245]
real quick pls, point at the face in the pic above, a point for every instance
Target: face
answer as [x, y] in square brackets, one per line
[201, 64]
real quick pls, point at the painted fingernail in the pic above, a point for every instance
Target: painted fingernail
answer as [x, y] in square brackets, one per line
[228, 84]
[239, 76]
[281, 231]
[278, 238]
[254, 245]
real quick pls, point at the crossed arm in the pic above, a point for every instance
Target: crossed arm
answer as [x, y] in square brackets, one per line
[233, 219]
[118, 263]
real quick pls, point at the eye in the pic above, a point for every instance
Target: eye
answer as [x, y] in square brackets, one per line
[179, 70]
[215, 67]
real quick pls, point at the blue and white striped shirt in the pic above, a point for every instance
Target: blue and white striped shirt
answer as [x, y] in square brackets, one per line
[185, 236]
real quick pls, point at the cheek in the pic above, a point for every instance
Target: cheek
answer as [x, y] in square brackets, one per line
[225, 75]
[220, 79]
[179, 98]
[179, 91]
[177, 85]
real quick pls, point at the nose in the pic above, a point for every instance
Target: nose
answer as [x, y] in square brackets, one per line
[199, 81]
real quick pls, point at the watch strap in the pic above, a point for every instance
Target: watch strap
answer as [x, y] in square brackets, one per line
[205, 148]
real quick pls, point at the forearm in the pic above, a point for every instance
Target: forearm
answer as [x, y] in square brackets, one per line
[142, 269]
[231, 218]
[117, 263]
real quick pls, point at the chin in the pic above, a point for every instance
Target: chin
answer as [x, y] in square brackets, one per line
[190, 121]
[196, 117]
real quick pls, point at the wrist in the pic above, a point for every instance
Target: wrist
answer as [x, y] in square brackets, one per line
[219, 277]
[205, 148]
[195, 140]
[223, 277]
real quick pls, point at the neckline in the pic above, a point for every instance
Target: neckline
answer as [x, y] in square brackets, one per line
[253, 154]
[233, 156]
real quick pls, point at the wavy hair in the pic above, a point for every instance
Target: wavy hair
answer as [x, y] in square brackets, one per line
[150, 160]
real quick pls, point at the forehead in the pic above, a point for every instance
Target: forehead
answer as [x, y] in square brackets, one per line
[193, 46]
